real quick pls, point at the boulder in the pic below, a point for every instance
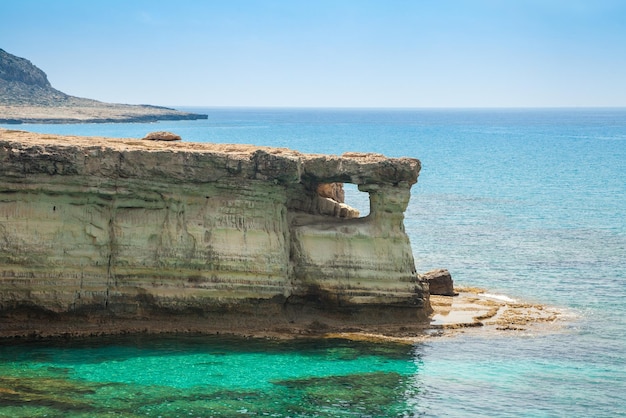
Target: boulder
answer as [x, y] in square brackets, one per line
[440, 282]
[332, 191]
[162, 136]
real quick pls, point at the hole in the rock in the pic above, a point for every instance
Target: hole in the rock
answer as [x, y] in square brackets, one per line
[357, 199]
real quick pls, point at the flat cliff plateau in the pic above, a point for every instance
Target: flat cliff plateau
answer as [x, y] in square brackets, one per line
[105, 235]
[26, 96]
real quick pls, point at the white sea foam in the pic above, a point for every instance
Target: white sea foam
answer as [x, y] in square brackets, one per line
[503, 298]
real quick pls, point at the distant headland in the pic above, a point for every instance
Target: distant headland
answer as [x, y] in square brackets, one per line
[26, 96]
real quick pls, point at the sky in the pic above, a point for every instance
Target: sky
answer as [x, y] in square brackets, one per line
[327, 53]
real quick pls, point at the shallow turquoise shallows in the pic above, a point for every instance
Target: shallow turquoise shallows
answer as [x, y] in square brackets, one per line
[205, 376]
[526, 203]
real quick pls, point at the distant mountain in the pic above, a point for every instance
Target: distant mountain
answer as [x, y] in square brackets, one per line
[26, 96]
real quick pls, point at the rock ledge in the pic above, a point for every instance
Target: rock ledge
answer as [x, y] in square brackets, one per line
[121, 235]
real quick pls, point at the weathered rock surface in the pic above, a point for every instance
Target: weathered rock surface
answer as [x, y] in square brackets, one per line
[439, 282]
[26, 96]
[332, 191]
[162, 136]
[232, 236]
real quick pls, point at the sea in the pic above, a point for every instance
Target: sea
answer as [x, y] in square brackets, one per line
[529, 204]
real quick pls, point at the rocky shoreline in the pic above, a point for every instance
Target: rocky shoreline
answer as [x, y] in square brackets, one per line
[474, 311]
[63, 113]
[471, 311]
[103, 236]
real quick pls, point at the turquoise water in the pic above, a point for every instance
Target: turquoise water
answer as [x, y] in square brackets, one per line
[205, 376]
[526, 203]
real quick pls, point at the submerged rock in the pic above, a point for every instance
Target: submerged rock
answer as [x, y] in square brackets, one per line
[209, 237]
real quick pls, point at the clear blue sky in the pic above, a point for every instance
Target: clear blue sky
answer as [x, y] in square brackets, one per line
[335, 53]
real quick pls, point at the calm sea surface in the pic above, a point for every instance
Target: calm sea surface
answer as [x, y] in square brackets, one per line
[530, 204]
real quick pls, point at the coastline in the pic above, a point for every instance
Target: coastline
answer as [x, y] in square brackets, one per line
[26, 96]
[90, 112]
[477, 312]
[473, 311]
[489, 235]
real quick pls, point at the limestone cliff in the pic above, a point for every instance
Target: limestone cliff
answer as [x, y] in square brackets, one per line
[231, 235]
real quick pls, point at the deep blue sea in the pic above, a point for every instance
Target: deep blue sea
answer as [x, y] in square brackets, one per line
[530, 204]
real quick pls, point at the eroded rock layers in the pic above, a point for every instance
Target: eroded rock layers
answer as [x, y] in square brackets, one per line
[231, 235]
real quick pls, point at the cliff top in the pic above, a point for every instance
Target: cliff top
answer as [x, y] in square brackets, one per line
[173, 158]
[26, 96]
[134, 144]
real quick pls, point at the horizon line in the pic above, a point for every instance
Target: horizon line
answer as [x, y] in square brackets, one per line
[402, 107]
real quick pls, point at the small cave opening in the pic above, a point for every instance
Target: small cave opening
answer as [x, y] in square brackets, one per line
[356, 199]
[346, 198]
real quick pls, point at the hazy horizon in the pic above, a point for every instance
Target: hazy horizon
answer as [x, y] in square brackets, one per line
[328, 54]
[395, 107]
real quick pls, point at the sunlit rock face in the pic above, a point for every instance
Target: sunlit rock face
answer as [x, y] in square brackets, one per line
[131, 228]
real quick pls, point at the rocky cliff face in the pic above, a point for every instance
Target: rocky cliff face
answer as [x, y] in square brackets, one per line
[26, 96]
[231, 235]
[19, 70]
